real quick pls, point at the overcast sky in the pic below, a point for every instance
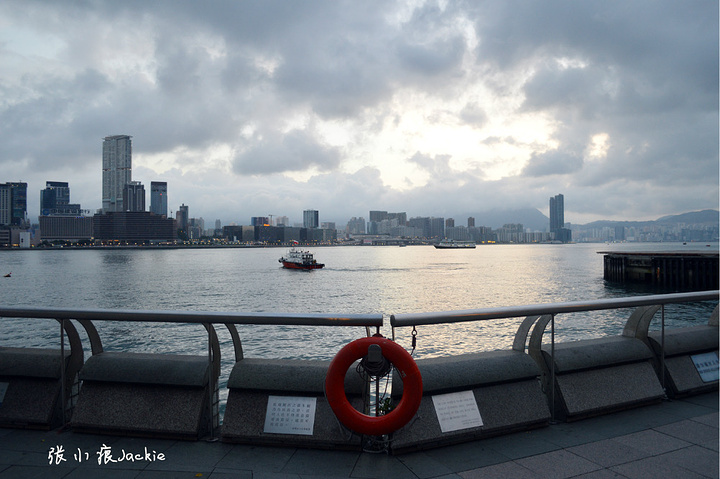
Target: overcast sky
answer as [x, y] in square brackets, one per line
[252, 108]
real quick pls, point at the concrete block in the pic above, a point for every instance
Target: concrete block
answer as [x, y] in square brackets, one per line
[681, 375]
[138, 394]
[35, 395]
[598, 376]
[596, 391]
[142, 410]
[505, 386]
[252, 381]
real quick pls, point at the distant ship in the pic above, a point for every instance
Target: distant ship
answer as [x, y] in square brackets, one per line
[452, 244]
[297, 259]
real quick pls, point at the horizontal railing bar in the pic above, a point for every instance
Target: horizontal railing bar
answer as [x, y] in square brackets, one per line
[416, 319]
[203, 317]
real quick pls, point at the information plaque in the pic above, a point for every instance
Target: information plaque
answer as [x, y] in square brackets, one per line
[290, 415]
[707, 366]
[457, 411]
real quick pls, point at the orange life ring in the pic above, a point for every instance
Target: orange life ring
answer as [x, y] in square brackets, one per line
[352, 418]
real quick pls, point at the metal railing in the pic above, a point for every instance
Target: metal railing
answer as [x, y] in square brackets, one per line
[209, 318]
[206, 318]
[533, 313]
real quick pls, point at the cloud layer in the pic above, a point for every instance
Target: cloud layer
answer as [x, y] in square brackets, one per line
[433, 108]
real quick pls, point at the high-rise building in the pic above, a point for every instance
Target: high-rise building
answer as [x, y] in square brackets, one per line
[5, 210]
[158, 198]
[55, 200]
[117, 171]
[134, 196]
[557, 219]
[13, 204]
[311, 219]
[182, 217]
[557, 212]
[471, 222]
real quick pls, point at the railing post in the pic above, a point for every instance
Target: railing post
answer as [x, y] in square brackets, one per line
[552, 368]
[63, 379]
[662, 348]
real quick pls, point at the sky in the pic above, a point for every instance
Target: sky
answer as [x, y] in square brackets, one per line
[433, 108]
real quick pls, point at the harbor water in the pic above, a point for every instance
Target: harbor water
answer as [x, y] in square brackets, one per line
[356, 280]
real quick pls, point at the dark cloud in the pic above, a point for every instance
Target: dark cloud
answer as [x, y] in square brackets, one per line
[296, 150]
[552, 163]
[255, 79]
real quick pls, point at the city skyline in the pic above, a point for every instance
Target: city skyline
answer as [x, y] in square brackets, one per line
[433, 108]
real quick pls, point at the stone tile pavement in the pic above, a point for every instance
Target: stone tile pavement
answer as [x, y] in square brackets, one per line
[674, 439]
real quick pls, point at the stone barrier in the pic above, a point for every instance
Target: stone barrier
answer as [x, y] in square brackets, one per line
[472, 396]
[148, 395]
[595, 376]
[32, 394]
[282, 402]
[686, 357]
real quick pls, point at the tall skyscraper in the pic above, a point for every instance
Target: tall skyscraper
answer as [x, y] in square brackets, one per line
[557, 219]
[182, 217]
[311, 219]
[557, 212]
[117, 171]
[158, 198]
[5, 210]
[134, 196]
[18, 203]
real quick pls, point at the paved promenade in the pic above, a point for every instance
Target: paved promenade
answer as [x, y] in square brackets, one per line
[674, 439]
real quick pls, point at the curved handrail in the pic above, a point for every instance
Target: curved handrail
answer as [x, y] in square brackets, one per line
[485, 314]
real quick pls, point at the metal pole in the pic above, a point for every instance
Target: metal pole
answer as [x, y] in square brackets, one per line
[662, 348]
[63, 394]
[552, 368]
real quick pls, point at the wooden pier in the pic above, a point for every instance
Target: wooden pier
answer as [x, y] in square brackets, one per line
[685, 270]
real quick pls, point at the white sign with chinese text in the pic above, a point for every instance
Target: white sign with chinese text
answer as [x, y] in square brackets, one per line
[457, 411]
[290, 415]
[707, 366]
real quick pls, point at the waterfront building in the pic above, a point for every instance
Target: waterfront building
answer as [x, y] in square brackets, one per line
[377, 216]
[134, 196]
[182, 217]
[437, 228]
[66, 227]
[450, 223]
[328, 225]
[282, 221]
[158, 198]
[55, 200]
[5, 210]
[132, 227]
[260, 221]
[421, 224]
[311, 219]
[471, 222]
[557, 219]
[511, 233]
[13, 204]
[400, 217]
[356, 226]
[18, 204]
[458, 233]
[116, 171]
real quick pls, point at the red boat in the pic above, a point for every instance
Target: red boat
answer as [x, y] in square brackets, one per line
[297, 259]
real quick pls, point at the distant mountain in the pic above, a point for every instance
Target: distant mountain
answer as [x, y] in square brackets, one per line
[709, 217]
[706, 217]
[529, 217]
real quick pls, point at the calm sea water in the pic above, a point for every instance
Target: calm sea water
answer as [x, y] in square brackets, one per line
[387, 280]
